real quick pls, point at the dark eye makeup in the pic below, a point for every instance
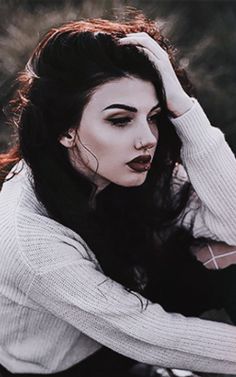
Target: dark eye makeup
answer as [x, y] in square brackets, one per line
[120, 122]
[123, 121]
[155, 117]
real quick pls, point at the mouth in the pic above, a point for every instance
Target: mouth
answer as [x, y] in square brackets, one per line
[140, 164]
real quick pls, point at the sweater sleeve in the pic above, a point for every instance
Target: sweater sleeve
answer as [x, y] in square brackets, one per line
[211, 168]
[83, 296]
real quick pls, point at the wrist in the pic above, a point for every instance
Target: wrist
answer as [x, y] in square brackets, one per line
[181, 106]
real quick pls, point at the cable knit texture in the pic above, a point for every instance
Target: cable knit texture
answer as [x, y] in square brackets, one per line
[56, 305]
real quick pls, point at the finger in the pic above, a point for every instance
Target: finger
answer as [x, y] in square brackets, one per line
[141, 42]
[141, 33]
[143, 39]
[150, 56]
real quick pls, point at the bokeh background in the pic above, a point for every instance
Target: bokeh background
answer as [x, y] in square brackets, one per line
[204, 33]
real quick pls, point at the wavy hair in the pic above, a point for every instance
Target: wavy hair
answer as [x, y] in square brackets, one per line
[131, 228]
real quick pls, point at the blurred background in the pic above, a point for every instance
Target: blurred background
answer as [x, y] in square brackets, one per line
[204, 33]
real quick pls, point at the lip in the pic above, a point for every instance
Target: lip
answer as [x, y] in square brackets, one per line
[144, 158]
[141, 163]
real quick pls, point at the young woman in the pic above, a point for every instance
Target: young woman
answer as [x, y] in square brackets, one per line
[98, 222]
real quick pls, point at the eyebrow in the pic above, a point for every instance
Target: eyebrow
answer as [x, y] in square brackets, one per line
[126, 107]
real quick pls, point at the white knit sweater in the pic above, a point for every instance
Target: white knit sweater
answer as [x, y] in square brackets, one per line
[56, 305]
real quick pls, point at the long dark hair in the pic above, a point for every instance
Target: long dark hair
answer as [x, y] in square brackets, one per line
[130, 227]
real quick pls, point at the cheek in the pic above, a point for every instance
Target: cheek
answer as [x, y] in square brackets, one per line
[109, 146]
[101, 146]
[91, 139]
[105, 140]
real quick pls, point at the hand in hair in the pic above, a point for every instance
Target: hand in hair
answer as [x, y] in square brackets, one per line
[178, 102]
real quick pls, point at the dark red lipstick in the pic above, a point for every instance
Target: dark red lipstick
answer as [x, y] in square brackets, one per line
[141, 163]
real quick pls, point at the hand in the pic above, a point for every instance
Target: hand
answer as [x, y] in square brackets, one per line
[219, 255]
[180, 283]
[216, 255]
[178, 102]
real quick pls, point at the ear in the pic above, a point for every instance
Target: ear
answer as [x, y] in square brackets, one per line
[68, 138]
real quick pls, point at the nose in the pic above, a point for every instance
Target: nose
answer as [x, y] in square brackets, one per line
[146, 138]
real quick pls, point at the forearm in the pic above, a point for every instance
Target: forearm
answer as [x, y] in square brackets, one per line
[211, 167]
[169, 356]
[106, 312]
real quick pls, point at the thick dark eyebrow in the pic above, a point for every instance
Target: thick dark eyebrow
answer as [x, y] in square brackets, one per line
[120, 106]
[126, 107]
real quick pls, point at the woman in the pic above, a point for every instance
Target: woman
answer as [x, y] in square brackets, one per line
[96, 208]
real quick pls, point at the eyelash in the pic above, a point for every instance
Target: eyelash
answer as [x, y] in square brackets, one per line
[122, 122]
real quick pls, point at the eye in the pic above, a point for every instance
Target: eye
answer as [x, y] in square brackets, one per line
[120, 122]
[154, 118]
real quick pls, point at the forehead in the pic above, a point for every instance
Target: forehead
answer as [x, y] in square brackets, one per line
[130, 91]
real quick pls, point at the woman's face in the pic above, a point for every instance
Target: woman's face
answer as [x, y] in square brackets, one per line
[118, 125]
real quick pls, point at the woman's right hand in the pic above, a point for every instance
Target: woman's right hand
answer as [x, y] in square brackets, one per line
[178, 101]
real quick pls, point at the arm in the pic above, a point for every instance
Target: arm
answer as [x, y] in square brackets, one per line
[207, 158]
[101, 308]
[211, 167]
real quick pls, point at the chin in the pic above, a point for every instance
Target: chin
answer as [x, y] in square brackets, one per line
[138, 181]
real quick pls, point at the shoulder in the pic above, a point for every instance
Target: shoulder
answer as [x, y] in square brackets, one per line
[45, 243]
[42, 243]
